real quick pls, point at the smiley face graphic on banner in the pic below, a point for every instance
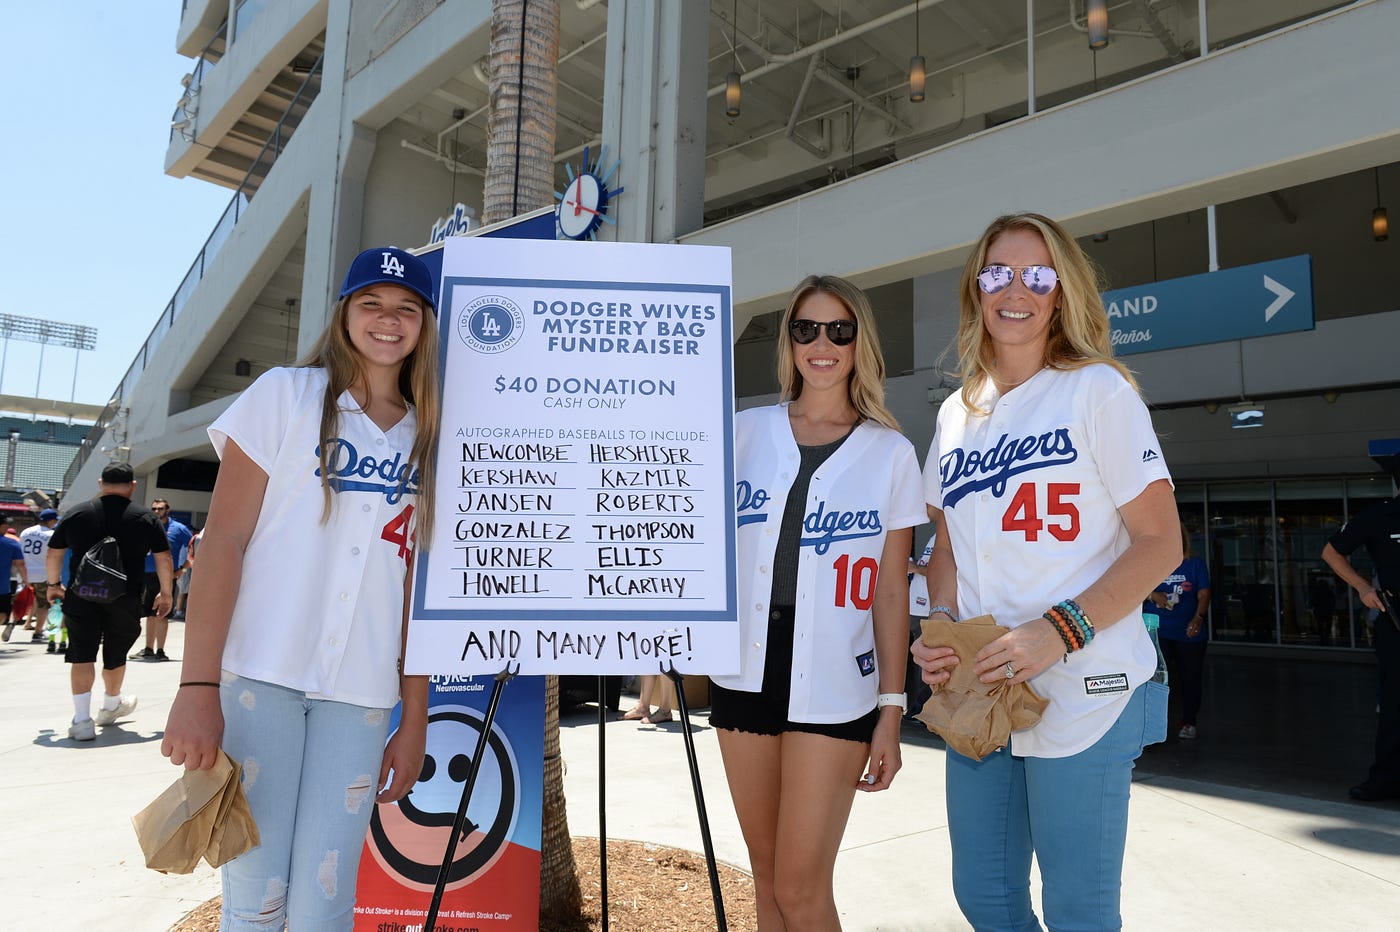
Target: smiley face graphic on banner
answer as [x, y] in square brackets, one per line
[409, 840]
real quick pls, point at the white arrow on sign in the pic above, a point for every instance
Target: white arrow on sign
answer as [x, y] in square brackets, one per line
[1282, 297]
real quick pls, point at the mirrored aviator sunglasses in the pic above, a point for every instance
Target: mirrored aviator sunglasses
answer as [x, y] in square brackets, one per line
[839, 332]
[1038, 279]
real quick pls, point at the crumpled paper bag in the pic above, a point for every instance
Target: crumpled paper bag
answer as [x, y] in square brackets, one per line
[973, 718]
[202, 814]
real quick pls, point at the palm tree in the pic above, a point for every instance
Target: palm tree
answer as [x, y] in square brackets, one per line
[520, 128]
[520, 178]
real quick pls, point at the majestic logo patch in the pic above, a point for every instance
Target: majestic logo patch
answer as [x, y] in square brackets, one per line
[1149, 455]
[866, 663]
[1105, 684]
[993, 468]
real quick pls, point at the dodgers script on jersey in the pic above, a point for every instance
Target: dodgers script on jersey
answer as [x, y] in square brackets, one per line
[1030, 494]
[867, 488]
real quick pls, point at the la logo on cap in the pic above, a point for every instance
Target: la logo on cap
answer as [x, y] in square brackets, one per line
[391, 265]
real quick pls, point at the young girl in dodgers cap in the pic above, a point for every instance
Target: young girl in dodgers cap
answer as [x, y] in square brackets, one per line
[326, 481]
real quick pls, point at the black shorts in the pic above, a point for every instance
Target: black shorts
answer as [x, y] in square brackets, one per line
[766, 712]
[7, 602]
[115, 627]
[150, 588]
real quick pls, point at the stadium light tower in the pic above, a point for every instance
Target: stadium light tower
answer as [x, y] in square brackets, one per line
[45, 333]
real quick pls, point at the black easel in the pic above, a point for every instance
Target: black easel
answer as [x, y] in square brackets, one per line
[505, 676]
[603, 795]
[675, 677]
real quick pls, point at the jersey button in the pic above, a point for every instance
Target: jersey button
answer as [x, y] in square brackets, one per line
[380, 441]
[775, 615]
[345, 597]
[763, 569]
[986, 496]
[364, 508]
[355, 551]
[332, 642]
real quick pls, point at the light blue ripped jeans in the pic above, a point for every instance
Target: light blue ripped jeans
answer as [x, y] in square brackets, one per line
[309, 770]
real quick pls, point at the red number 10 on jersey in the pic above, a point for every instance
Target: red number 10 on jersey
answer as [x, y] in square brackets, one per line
[1024, 513]
[857, 580]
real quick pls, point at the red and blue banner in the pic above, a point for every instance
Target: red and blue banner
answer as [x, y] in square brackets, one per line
[493, 884]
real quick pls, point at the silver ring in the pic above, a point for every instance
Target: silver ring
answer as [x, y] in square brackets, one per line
[1010, 673]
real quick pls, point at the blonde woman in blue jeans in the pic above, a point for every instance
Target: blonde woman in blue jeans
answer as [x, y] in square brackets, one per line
[1059, 517]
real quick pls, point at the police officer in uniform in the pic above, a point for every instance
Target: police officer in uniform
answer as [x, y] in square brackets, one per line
[1377, 528]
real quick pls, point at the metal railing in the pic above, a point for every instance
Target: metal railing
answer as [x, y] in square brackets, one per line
[277, 141]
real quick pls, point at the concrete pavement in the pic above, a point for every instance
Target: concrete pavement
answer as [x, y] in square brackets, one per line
[1200, 855]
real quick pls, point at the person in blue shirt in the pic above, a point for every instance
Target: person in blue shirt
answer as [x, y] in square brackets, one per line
[1181, 602]
[157, 625]
[10, 551]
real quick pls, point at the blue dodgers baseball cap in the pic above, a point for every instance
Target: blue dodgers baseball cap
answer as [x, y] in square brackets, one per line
[393, 265]
[48, 514]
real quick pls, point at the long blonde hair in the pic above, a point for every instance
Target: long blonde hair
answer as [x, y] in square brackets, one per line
[419, 384]
[1079, 332]
[867, 383]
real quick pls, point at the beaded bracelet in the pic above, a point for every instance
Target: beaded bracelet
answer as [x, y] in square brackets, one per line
[1082, 620]
[1066, 628]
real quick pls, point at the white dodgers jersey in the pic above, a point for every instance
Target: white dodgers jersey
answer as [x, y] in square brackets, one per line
[1030, 494]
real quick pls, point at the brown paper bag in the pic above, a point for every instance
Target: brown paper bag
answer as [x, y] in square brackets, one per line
[973, 718]
[202, 814]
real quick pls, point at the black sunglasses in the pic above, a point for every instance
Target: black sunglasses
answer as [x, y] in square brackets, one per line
[839, 332]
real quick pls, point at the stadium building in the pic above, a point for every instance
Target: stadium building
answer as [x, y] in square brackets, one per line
[1178, 138]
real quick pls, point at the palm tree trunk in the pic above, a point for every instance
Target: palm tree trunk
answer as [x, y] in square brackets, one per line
[520, 127]
[520, 178]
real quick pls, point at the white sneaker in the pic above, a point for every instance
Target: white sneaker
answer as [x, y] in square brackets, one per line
[83, 731]
[1187, 732]
[124, 708]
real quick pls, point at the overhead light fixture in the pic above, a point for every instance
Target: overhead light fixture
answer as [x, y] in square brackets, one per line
[243, 368]
[1245, 415]
[1097, 16]
[1331, 397]
[1212, 407]
[1380, 224]
[732, 92]
[1101, 237]
[916, 64]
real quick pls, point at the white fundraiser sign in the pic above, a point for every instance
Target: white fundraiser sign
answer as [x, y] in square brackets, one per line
[585, 476]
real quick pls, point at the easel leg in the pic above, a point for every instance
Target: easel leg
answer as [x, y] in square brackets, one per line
[603, 797]
[460, 822]
[718, 897]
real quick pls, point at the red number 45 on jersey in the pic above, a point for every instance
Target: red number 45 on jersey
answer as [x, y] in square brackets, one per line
[1024, 513]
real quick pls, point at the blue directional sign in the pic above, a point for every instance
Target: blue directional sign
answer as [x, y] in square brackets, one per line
[1232, 304]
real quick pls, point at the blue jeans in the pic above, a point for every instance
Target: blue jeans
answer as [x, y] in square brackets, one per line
[1070, 812]
[310, 768]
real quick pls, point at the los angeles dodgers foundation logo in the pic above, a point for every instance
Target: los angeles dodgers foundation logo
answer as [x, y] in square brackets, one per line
[490, 324]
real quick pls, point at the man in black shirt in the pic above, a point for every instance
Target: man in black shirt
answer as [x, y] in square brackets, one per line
[115, 625]
[1377, 528]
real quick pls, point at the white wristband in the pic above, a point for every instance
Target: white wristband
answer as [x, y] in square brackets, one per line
[892, 699]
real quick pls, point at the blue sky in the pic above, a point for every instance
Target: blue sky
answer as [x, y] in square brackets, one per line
[92, 230]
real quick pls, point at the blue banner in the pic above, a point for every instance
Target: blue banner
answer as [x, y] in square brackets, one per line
[1231, 304]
